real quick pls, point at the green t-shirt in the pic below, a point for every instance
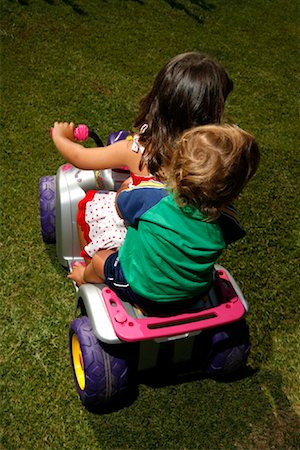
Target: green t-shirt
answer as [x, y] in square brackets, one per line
[169, 252]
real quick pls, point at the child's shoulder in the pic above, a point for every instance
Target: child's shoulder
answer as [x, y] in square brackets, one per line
[137, 200]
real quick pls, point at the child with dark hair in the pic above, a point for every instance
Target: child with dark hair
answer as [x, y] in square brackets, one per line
[190, 90]
[178, 229]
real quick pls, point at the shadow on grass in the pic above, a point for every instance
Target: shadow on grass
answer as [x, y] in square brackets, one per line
[174, 4]
[179, 6]
[186, 373]
[252, 412]
[158, 378]
[76, 8]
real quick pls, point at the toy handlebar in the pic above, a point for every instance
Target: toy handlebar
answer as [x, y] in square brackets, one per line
[82, 133]
[107, 179]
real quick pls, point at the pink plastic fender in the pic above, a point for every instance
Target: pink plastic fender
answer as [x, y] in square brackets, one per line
[131, 329]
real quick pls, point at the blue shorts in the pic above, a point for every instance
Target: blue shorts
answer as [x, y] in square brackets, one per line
[116, 281]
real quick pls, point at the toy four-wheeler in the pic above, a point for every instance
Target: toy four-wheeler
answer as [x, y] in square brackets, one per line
[111, 340]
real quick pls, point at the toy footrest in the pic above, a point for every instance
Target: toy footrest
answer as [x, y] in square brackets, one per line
[130, 329]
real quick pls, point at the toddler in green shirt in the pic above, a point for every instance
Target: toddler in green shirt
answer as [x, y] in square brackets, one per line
[178, 229]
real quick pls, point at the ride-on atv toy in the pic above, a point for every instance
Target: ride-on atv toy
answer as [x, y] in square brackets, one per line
[110, 340]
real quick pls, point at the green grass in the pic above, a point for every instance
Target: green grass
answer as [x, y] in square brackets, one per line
[90, 62]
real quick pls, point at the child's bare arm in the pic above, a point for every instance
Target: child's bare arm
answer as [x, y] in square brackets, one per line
[93, 272]
[116, 155]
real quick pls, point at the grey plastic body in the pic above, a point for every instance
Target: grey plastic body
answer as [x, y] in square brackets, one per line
[71, 186]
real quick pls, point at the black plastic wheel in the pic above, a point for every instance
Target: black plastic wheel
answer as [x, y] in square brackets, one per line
[47, 187]
[100, 376]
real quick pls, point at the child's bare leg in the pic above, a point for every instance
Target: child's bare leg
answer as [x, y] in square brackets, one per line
[92, 273]
[98, 262]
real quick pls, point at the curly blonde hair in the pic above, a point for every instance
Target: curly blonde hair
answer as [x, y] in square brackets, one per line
[211, 165]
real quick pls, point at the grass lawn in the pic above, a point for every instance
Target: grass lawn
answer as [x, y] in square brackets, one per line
[90, 62]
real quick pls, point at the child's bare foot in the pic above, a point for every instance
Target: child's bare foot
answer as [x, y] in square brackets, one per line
[77, 274]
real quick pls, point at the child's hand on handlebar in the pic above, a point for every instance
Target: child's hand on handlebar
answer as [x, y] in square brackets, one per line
[63, 129]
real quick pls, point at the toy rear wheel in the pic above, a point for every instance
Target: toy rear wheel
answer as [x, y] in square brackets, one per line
[47, 186]
[223, 352]
[229, 350]
[101, 376]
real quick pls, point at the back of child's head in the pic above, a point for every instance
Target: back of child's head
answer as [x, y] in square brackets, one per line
[211, 165]
[190, 90]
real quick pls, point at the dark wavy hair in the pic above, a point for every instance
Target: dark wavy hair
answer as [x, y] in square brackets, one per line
[190, 90]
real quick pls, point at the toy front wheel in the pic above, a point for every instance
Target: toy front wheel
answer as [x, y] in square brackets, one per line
[116, 136]
[100, 375]
[47, 187]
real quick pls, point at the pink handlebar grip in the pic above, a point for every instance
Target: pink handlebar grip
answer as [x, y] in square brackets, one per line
[81, 133]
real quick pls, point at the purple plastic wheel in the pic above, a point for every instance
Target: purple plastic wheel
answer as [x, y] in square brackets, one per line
[100, 376]
[229, 349]
[117, 136]
[47, 188]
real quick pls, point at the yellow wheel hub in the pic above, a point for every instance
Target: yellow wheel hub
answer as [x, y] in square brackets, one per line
[78, 362]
